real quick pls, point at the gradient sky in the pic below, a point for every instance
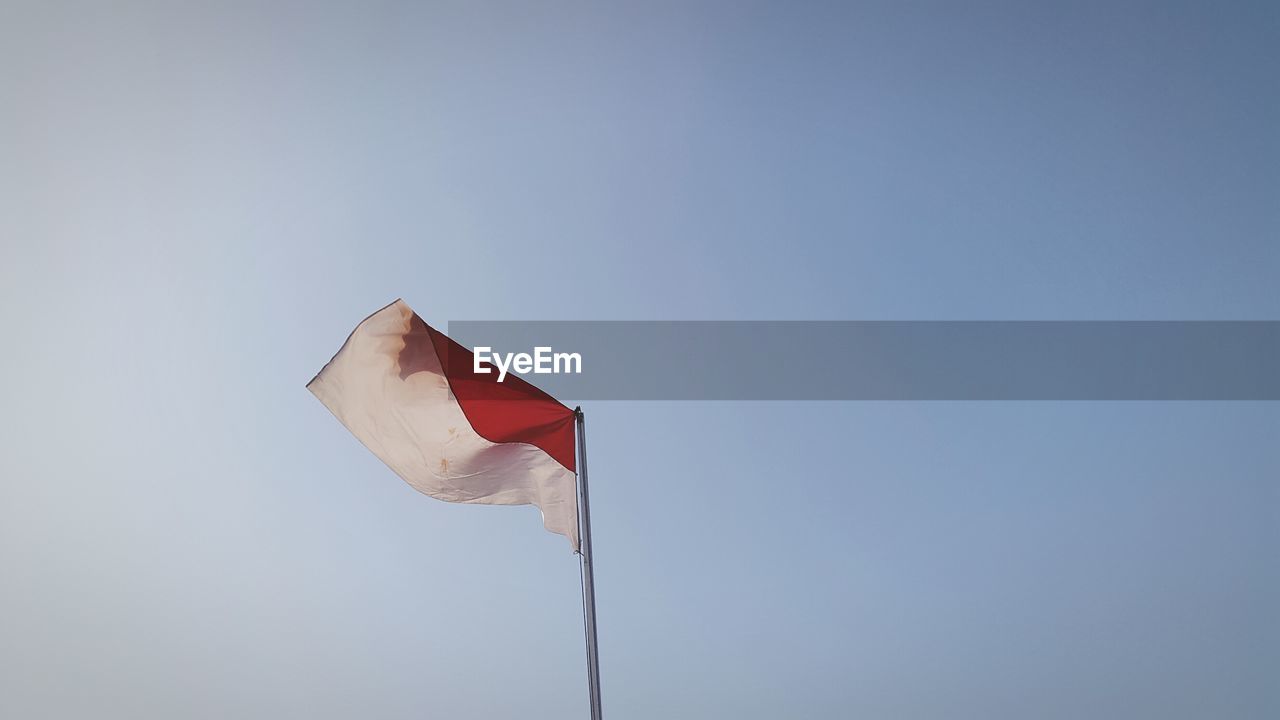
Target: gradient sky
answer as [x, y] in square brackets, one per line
[198, 202]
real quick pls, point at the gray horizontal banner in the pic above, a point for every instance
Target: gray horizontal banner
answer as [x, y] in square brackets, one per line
[887, 360]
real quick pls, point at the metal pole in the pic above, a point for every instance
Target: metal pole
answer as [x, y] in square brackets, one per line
[588, 573]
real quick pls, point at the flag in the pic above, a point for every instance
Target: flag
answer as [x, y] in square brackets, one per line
[412, 397]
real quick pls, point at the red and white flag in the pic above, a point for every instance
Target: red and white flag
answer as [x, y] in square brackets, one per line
[411, 395]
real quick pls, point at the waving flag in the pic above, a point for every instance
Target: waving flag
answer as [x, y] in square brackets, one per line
[411, 395]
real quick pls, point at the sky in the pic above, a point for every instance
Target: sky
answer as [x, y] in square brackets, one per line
[198, 201]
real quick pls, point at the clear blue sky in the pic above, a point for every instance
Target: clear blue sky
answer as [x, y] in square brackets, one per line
[198, 202]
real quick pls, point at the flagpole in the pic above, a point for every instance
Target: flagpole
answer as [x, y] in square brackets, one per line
[587, 569]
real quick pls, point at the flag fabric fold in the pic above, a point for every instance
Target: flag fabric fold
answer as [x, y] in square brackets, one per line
[411, 396]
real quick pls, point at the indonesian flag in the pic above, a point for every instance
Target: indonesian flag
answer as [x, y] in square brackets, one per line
[411, 395]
